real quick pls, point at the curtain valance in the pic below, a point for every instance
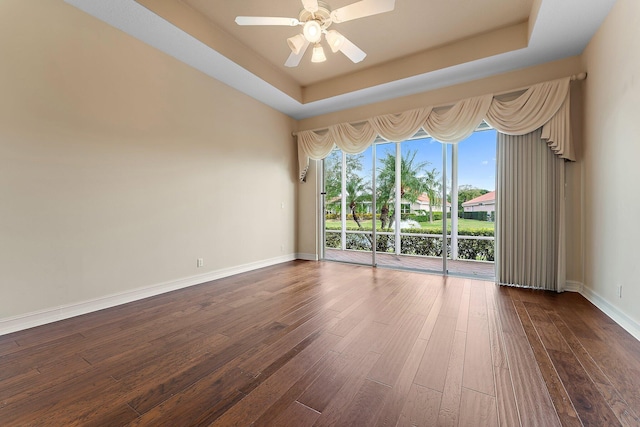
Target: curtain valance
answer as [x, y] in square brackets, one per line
[543, 105]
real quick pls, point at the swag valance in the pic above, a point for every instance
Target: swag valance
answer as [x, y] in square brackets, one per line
[543, 105]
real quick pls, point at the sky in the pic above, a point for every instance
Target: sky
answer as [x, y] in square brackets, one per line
[476, 158]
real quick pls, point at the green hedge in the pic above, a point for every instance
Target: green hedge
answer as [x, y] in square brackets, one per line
[332, 240]
[437, 216]
[419, 245]
[359, 242]
[488, 232]
[386, 243]
[478, 250]
[471, 249]
[478, 216]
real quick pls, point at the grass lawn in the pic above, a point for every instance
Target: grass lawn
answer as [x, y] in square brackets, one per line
[436, 226]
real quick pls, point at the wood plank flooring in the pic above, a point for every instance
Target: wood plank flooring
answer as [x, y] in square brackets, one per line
[319, 344]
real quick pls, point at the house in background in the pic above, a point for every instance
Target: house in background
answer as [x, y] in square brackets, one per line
[483, 203]
[422, 204]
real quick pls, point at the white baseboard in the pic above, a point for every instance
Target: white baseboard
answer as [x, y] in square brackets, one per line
[603, 305]
[573, 286]
[614, 313]
[41, 317]
[307, 257]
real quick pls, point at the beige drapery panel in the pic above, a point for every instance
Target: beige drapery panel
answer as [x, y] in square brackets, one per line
[530, 215]
[543, 105]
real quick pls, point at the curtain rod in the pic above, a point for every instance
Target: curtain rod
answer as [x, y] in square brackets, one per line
[574, 77]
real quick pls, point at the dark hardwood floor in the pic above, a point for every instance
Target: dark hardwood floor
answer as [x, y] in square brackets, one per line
[320, 343]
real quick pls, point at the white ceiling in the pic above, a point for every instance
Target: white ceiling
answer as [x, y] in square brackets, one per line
[561, 28]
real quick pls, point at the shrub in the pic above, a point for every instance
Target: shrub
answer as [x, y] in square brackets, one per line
[437, 216]
[385, 243]
[475, 249]
[332, 240]
[488, 232]
[359, 242]
[421, 245]
[478, 216]
[471, 249]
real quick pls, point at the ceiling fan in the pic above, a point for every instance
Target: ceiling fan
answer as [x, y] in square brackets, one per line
[315, 18]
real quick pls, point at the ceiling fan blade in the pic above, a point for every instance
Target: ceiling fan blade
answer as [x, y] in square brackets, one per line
[310, 5]
[361, 9]
[351, 51]
[266, 20]
[294, 59]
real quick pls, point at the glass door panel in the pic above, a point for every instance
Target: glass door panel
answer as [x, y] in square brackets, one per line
[334, 241]
[420, 198]
[472, 233]
[357, 191]
[347, 201]
[385, 180]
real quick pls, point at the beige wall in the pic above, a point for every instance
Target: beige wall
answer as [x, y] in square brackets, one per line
[611, 151]
[119, 166]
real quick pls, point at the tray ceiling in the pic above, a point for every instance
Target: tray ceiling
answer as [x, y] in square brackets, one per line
[420, 45]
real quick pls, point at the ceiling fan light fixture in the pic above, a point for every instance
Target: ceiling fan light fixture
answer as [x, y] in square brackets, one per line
[318, 54]
[296, 43]
[315, 18]
[312, 31]
[335, 40]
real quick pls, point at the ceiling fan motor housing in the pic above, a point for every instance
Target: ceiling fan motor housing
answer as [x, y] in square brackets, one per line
[322, 16]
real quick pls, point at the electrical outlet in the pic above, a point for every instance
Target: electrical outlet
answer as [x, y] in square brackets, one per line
[281, 248]
[619, 291]
[200, 262]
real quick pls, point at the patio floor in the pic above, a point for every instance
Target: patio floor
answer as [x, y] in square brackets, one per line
[480, 269]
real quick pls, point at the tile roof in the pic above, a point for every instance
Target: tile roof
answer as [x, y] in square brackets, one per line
[488, 197]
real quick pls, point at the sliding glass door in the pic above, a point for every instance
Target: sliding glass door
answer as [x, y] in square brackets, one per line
[398, 205]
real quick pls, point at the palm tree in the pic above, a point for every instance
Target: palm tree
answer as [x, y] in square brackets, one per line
[355, 190]
[432, 187]
[333, 175]
[411, 183]
[333, 181]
